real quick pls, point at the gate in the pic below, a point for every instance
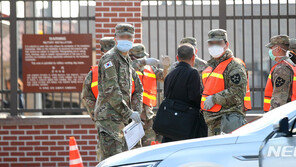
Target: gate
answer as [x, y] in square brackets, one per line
[20, 17]
[249, 23]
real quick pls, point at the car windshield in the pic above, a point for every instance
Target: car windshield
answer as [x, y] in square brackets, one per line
[269, 118]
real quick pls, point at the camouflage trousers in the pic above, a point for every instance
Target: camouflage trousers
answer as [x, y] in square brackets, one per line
[149, 133]
[147, 117]
[108, 145]
[225, 124]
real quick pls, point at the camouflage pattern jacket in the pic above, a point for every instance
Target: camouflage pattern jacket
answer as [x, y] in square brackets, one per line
[282, 79]
[113, 106]
[89, 100]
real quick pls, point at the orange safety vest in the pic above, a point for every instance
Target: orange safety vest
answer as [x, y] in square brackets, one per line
[94, 80]
[148, 79]
[213, 81]
[269, 87]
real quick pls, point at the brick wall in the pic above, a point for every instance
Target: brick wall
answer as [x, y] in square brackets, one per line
[111, 12]
[44, 141]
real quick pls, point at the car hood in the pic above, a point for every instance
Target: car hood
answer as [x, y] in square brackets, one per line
[162, 151]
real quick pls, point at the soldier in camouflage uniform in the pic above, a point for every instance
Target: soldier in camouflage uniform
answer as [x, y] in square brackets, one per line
[140, 60]
[113, 109]
[107, 43]
[232, 113]
[88, 98]
[199, 64]
[278, 89]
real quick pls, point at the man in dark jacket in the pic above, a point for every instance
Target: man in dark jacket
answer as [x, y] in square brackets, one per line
[184, 81]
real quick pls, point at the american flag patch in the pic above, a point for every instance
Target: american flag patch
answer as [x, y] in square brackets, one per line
[108, 64]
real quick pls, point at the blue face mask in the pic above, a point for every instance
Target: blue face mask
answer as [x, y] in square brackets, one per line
[124, 45]
[272, 57]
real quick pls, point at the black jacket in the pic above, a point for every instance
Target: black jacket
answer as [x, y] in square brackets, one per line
[185, 85]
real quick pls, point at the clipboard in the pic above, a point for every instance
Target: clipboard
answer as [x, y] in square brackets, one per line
[133, 133]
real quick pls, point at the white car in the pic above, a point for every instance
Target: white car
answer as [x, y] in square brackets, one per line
[267, 142]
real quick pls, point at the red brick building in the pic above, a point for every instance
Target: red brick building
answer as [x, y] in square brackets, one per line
[111, 12]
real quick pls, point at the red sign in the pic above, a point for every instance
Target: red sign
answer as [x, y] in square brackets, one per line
[56, 63]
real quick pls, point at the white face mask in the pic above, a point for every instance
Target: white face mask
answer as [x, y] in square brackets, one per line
[124, 45]
[216, 51]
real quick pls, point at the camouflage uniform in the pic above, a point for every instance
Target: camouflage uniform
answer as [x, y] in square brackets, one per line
[281, 77]
[147, 115]
[88, 98]
[113, 106]
[231, 115]
[199, 64]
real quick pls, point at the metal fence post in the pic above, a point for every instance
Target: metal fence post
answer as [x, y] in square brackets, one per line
[222, 14]
[13, 59]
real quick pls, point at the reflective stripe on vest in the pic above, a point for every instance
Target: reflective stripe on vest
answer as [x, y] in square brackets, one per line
[269, 87]
[94, 82]
[140, 74]
[148, 79]
[213, 82]
[213, 74]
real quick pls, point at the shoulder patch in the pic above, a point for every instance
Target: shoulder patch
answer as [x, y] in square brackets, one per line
[279, 82]
[235, 78]
[108, 65]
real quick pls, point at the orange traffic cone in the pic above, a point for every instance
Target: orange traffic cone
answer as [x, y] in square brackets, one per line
[75, 158]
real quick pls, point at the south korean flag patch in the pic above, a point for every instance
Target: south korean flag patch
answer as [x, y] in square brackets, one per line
[108, 65]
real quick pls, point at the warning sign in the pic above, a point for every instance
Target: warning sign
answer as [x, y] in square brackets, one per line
[56, 63]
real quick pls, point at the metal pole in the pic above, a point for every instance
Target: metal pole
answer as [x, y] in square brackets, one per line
[222, 14]
[13, 59]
